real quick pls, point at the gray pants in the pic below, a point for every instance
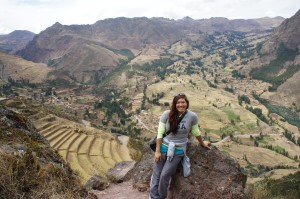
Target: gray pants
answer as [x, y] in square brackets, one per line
[161, 175]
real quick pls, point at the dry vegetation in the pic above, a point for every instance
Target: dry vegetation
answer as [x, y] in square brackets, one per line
[29, 167]
[19, 68]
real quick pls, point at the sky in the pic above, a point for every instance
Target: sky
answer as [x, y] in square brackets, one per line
[37, 15]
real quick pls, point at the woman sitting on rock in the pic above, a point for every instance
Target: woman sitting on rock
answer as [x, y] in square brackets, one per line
[170, 150]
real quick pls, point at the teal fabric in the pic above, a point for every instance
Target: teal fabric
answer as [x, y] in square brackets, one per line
[178, 150]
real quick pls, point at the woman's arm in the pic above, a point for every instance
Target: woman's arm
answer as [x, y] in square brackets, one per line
[205, 144]
[160, 134]
[157, 155]
[196, 132]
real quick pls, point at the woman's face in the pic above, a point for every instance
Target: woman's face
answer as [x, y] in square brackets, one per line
[181, 105]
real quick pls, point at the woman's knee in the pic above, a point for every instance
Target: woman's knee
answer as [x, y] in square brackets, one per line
[166, 175]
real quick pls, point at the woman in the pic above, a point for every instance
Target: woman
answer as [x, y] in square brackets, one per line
[171, 149]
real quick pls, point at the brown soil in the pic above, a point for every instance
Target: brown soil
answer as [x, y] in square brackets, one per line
[120, 191]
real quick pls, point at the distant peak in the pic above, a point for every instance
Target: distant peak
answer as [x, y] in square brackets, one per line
[187, 18]
[55, 27]
[21, 32]
[57, 24]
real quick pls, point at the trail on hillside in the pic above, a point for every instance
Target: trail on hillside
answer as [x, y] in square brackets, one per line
[123, 190]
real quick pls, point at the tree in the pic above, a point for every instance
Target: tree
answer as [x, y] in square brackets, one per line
[256, 143]
[97, 78]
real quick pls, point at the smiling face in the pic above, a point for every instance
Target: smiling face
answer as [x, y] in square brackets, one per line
[181, 105]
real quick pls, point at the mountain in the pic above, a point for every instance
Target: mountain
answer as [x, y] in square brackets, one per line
[70, 48]
[221, 24]
[18, 68]
[288, 32]
[15, 40]
[83, 50]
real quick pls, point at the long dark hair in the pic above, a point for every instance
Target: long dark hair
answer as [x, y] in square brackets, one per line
[174, 114]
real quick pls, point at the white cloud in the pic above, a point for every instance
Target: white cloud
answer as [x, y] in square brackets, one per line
[37, 15]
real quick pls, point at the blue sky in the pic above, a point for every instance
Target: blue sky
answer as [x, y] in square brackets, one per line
[37, 15]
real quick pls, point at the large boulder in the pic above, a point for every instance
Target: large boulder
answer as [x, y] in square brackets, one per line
[96, 182]
[121, 172]
[213, 175]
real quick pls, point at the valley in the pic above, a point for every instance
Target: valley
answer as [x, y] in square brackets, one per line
[91, 114]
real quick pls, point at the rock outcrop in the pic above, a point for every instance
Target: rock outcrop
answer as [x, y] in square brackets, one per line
[214, 175]
[121, 171]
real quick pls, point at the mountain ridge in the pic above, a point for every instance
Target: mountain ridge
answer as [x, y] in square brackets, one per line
[64, 46]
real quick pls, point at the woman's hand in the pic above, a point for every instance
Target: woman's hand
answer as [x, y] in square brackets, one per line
[206, 144]
[157, 156]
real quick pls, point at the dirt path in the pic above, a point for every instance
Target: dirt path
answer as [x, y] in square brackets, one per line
[142, 123]
[123, 190]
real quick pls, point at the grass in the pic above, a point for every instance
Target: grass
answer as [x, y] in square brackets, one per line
[126, 52]
[287, 187]
[80, 101]
[289, 115]
[278, 148]
[231, 115]
[24, 177]
[269, 139]
[260, 156]
[111, 76]
[227, 130]
[212, 115]
[62, 112]
[225, 149]
[263, 141]
[251, 126]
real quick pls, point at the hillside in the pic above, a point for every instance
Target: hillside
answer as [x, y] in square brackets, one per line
[29, 167]
[280, 55]
[88, 151]
[18, 68]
